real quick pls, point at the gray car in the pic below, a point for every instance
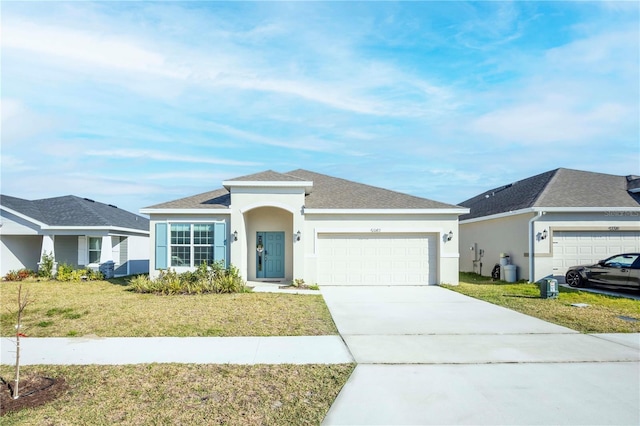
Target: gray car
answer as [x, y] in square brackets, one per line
[620, 271]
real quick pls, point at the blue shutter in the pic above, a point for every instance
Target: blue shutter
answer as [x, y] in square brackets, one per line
[220, 242]
[162, 239]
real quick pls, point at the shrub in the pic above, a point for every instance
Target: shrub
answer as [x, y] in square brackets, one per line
[66, 272]
[46, 266]
[205, 279]
[19, 275]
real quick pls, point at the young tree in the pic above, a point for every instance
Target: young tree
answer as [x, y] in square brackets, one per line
[23, 301]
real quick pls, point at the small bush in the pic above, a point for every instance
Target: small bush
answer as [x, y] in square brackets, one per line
[205, 279]
[19, 275]
[46, 266]
[68, 273]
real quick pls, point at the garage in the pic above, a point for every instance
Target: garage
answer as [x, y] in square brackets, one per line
[587, 247]
[377, 259]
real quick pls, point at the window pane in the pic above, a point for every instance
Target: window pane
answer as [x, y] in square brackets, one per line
[180, 233]
[202, 254]
[94, 256]
[181, 256]
[95, 243]
[203, 234]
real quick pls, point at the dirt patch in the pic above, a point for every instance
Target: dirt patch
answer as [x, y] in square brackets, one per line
[34, 391]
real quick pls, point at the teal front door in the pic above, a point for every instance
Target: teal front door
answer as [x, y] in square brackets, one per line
[270, 255]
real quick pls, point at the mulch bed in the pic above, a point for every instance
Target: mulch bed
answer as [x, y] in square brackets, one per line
[34, 391]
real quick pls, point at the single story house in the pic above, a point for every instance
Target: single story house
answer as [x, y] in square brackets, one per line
[76, 231]
[551, 221]
[304, 225]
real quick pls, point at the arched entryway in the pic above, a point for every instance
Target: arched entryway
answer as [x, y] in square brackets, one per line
[269, 244]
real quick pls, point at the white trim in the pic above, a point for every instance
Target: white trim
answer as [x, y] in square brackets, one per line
[95, 228]
[551, 210]
[24, 216]
[282, 206]
[458, 211]
[450, 255]
[268, 183]
[186, 211]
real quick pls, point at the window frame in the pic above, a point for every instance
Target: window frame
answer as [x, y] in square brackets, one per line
[191, 247]
[90, 250]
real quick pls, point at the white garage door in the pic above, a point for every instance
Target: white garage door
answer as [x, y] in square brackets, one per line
[376, 259]
[587, 247]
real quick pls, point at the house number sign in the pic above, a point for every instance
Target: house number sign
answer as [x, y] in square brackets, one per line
[376, 230]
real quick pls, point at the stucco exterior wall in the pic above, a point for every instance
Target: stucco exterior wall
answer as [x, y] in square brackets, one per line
[138, 252]
[18, 252]
[504, 235]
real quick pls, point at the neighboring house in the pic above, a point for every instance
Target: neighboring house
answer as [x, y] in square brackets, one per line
[77, 231]
[304, 225]
[564, 217]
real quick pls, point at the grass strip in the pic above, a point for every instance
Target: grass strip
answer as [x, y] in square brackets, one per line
[603, 315]
[187, 394]
[106, 309]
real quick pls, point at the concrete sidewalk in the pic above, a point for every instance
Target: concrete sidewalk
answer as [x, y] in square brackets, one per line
[201, 350]
[428, 355]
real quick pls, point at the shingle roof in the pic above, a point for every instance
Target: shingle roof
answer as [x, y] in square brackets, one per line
[70, 210]
[327, 193]
[335, 193]
[556, 188]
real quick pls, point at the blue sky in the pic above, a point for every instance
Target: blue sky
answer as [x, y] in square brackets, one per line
[137, 103]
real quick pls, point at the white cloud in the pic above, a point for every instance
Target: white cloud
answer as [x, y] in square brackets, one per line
[165, 156]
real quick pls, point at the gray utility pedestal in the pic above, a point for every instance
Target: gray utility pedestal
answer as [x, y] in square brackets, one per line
[548, 288]
[510, 275]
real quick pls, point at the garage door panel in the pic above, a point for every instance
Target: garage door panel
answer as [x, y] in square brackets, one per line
[572, 248]
[381, 259]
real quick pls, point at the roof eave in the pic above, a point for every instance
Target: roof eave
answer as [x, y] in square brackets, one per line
[551, 210]
[202, 211]
[24, 216]
[307, 185]
[457, 211]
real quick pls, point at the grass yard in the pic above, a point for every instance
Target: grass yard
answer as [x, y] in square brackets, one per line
[603, 315]
[109, 309]
[187, 394]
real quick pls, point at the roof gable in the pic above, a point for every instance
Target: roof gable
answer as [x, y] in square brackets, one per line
[555, 188]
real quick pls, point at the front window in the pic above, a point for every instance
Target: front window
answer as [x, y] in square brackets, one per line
[95, 245]
[191, 244]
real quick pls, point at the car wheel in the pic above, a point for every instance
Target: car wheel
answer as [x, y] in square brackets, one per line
[574, 279]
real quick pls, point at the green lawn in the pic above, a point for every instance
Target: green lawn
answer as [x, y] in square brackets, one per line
[603, 315]
[163, 394]
[109, 309]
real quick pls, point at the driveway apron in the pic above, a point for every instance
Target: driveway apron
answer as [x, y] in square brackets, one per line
[428, 355]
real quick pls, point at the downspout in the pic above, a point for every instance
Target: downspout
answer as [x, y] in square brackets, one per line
[531, 246]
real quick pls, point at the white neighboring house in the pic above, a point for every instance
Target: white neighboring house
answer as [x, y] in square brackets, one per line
[77, 231]
[563, 217]
[304, 225]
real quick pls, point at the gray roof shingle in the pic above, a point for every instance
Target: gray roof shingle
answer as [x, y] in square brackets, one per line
[327, 193]
[70, 210]
[555, 188]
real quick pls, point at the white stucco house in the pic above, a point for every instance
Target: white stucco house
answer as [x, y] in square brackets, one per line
[304, 225]
[77, 231]
[549, 222]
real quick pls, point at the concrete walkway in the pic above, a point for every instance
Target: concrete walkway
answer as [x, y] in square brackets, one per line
[427, 355]
[203, 350]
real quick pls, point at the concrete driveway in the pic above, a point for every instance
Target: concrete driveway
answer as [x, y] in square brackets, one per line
[427, 355]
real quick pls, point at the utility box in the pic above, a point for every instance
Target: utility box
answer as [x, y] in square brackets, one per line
[504, 261]
[548, 288]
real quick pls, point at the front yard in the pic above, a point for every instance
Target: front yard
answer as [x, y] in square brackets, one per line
[173, 393]
[605, 314]
[109, 309]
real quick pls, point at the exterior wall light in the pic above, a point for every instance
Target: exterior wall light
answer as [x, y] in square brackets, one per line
[544, 235]
[235, 235]
[449, 235]
[297, 236]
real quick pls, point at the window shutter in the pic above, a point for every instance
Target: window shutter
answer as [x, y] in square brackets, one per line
[83, 251]
[162, 239]
[220, 242]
